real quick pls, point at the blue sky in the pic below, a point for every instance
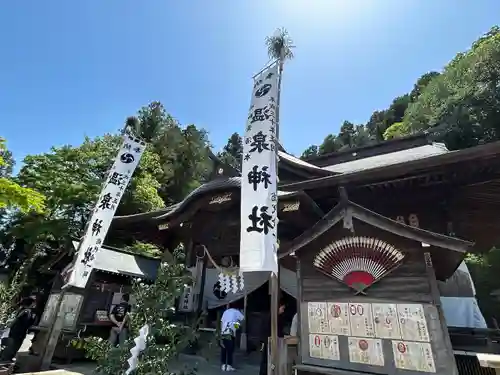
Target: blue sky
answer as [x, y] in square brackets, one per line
[75, 68]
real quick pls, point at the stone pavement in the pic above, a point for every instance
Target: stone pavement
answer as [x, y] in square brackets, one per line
[245, 365]
[203, 367]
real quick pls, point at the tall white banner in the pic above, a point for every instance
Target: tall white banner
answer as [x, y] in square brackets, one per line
[119, 176]
[259, 199]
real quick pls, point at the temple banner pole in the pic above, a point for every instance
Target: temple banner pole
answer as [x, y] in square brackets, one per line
[274, 367]
[96, 228]
[259, 193]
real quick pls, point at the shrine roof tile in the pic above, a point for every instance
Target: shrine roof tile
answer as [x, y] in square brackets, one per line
[413, 162]
[383, 160]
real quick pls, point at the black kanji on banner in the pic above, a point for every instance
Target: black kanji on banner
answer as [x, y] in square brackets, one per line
[263, 90]
[88, 255]
[261, 114]
[96, 227]
[105, 203]
[260, 221]
[117, 179]
[256, 177]
[259, 143]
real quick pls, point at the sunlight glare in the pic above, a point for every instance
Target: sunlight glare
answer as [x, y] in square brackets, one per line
[321, 10]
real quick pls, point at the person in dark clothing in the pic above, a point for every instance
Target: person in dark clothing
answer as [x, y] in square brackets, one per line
[266, 333]
[19, 329]
[119, 317]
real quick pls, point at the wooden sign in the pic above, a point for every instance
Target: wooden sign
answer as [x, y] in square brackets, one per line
[412, 220]
[218, 199]
[186, 300]
[163, 226]
[353, 334]
[101, 316]
[289, 207]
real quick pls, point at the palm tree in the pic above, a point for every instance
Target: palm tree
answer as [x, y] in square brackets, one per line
[279, 47]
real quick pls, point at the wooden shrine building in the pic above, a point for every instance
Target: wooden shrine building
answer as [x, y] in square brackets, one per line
[373, 234]
[87, 310]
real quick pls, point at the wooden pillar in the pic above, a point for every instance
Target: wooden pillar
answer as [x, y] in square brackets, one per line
[243, 339]
[57, 323]
[199, 307]
[431, 276]
[273, 346]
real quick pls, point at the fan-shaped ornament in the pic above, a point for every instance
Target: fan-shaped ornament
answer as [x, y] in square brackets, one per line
[358, 262]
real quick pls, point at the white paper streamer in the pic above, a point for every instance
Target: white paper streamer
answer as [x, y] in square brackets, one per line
[140, 345]
[231, 282]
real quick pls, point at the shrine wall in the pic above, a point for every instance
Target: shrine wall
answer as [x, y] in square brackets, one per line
[428, 208]
[408, 282]
[346, 344]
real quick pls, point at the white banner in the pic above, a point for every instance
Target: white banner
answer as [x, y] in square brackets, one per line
[119, 176]
[259, 200]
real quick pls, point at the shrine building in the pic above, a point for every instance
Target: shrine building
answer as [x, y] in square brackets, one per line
[372, 248]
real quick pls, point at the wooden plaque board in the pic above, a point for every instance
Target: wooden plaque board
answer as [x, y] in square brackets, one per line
[353, 336]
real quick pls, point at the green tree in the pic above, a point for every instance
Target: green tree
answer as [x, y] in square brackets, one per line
[71, 178]
[182, 152]
[151, 122]
[346, 134]
[7, 160]
[12, 194]
[396, 130]
[309, 152]
[484, 269]
[330, 144]
[421, 84]
[232, 153]
[461, 104]
[155, 305]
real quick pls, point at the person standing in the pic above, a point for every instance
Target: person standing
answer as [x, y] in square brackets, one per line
[230, 321]
[266, 333]
[119, 317]
[25, 318]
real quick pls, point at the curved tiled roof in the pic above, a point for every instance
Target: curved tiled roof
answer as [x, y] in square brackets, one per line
[298, 163]
[403, 156]
[320, 173]
[220, 184]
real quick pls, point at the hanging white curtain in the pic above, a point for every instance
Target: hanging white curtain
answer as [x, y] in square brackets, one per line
[253, 281]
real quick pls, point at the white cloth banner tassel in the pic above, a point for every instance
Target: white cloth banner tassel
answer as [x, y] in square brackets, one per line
[224, 282]
[140, 345]
[242, 282]
[221, 281]
[234, 282]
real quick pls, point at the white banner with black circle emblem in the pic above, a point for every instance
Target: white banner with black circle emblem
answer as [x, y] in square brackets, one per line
[259, 200]
[118, 178]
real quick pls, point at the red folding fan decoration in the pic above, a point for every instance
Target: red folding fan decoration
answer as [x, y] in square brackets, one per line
[358, 262]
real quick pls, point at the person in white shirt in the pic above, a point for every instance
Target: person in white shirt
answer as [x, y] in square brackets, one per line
[294, 326]
[230, 322]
